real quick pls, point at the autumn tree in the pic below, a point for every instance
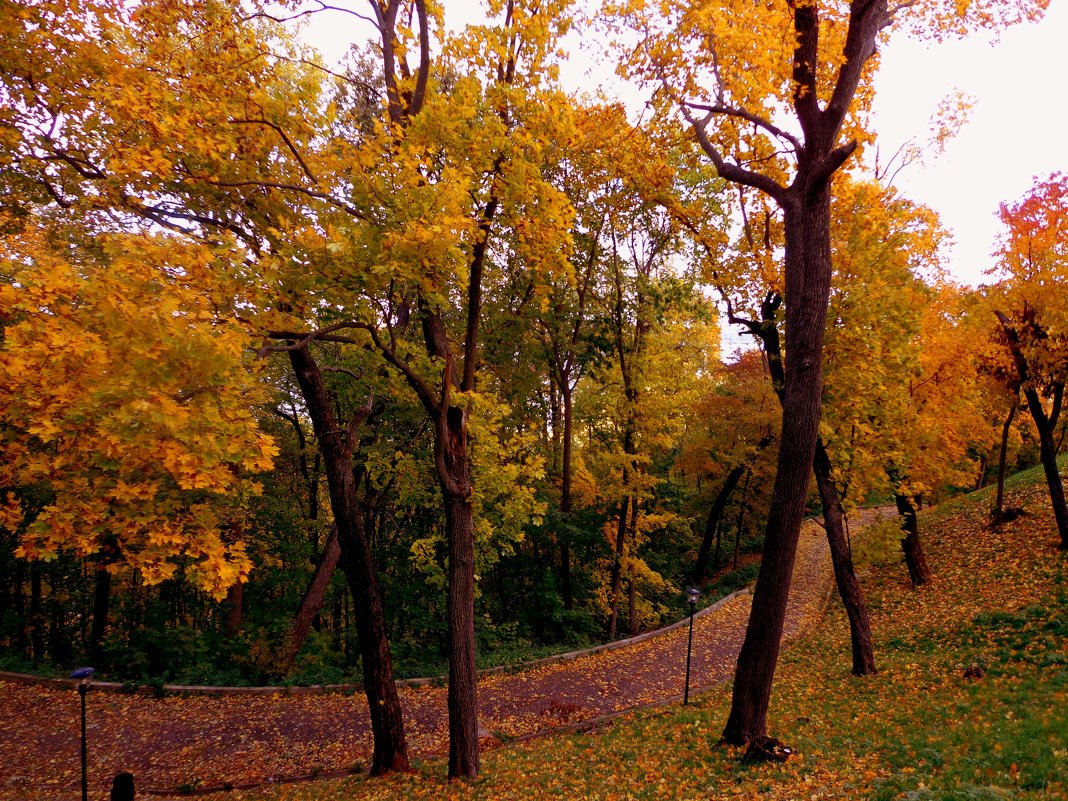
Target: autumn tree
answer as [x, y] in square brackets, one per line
[1031, 313]
[736, 425]
[570, 324]
[715, 66]
[129, 403]
[228, 187]
[883, 245]
[635, 471]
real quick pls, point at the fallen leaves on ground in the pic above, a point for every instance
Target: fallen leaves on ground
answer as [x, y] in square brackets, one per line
[202, 742]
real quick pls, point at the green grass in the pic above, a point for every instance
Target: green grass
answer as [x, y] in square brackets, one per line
[919, 730]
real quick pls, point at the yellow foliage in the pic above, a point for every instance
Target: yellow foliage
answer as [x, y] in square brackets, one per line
[129, 400]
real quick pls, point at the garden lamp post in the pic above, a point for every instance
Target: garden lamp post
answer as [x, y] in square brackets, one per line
[692, 594]
[84, 676]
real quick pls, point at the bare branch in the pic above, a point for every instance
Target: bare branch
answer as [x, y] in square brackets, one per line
[805, 62]
[340, 204]
[730, 171]
[323, 334]
[415, 381]
[866, 19]
[748, 116]
[306, 13]
[162, 214]
[285, 138]
[423, 76]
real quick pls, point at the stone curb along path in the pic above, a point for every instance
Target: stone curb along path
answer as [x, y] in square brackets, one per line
[216, 742]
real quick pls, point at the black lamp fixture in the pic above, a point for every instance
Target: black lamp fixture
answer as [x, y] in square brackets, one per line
[692, 596]
[84, 676]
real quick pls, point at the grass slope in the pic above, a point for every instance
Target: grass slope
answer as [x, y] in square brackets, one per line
[918, 730]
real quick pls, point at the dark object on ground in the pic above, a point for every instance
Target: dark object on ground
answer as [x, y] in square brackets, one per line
[122, 788]
[974, 672]
[1008, 514]
[767, 749]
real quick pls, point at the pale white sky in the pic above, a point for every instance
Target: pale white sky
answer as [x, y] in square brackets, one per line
[1018, 126]
[1017, 129]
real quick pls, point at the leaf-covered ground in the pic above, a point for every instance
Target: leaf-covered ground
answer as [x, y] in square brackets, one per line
[205, 742]
[921, 730]
[918, 730]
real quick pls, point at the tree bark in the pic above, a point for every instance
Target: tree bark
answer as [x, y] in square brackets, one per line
[337, 443]
[617, 566]
[387, 725]
[462, 695]
[453, 462]
[700, 568]
[808, 281]
[1047, 450]
[919, 572]
[1045, 422]
[844, 574]
[313, 599]
[999, 503]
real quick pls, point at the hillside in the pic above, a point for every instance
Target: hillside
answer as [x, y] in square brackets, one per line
[920, 729]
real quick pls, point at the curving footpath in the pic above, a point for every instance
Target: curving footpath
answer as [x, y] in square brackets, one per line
[216, 742]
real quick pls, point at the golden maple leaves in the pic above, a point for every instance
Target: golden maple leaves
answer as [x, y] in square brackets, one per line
[127, 405]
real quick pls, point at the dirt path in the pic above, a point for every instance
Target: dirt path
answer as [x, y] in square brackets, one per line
[202, 742]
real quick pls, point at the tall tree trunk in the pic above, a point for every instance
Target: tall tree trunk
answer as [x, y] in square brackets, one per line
[337, 443]
[617, 566]
[700, 569]
[387, 726]
[565, 498]
[453, 464]
[841, 558]
[919, 572]
[999, 503]
[844, 574]
[632, 603]
[1047, 450]
[808, 279]
[1045, 422]
[806, 214]
[313, 599]
[462, 694]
